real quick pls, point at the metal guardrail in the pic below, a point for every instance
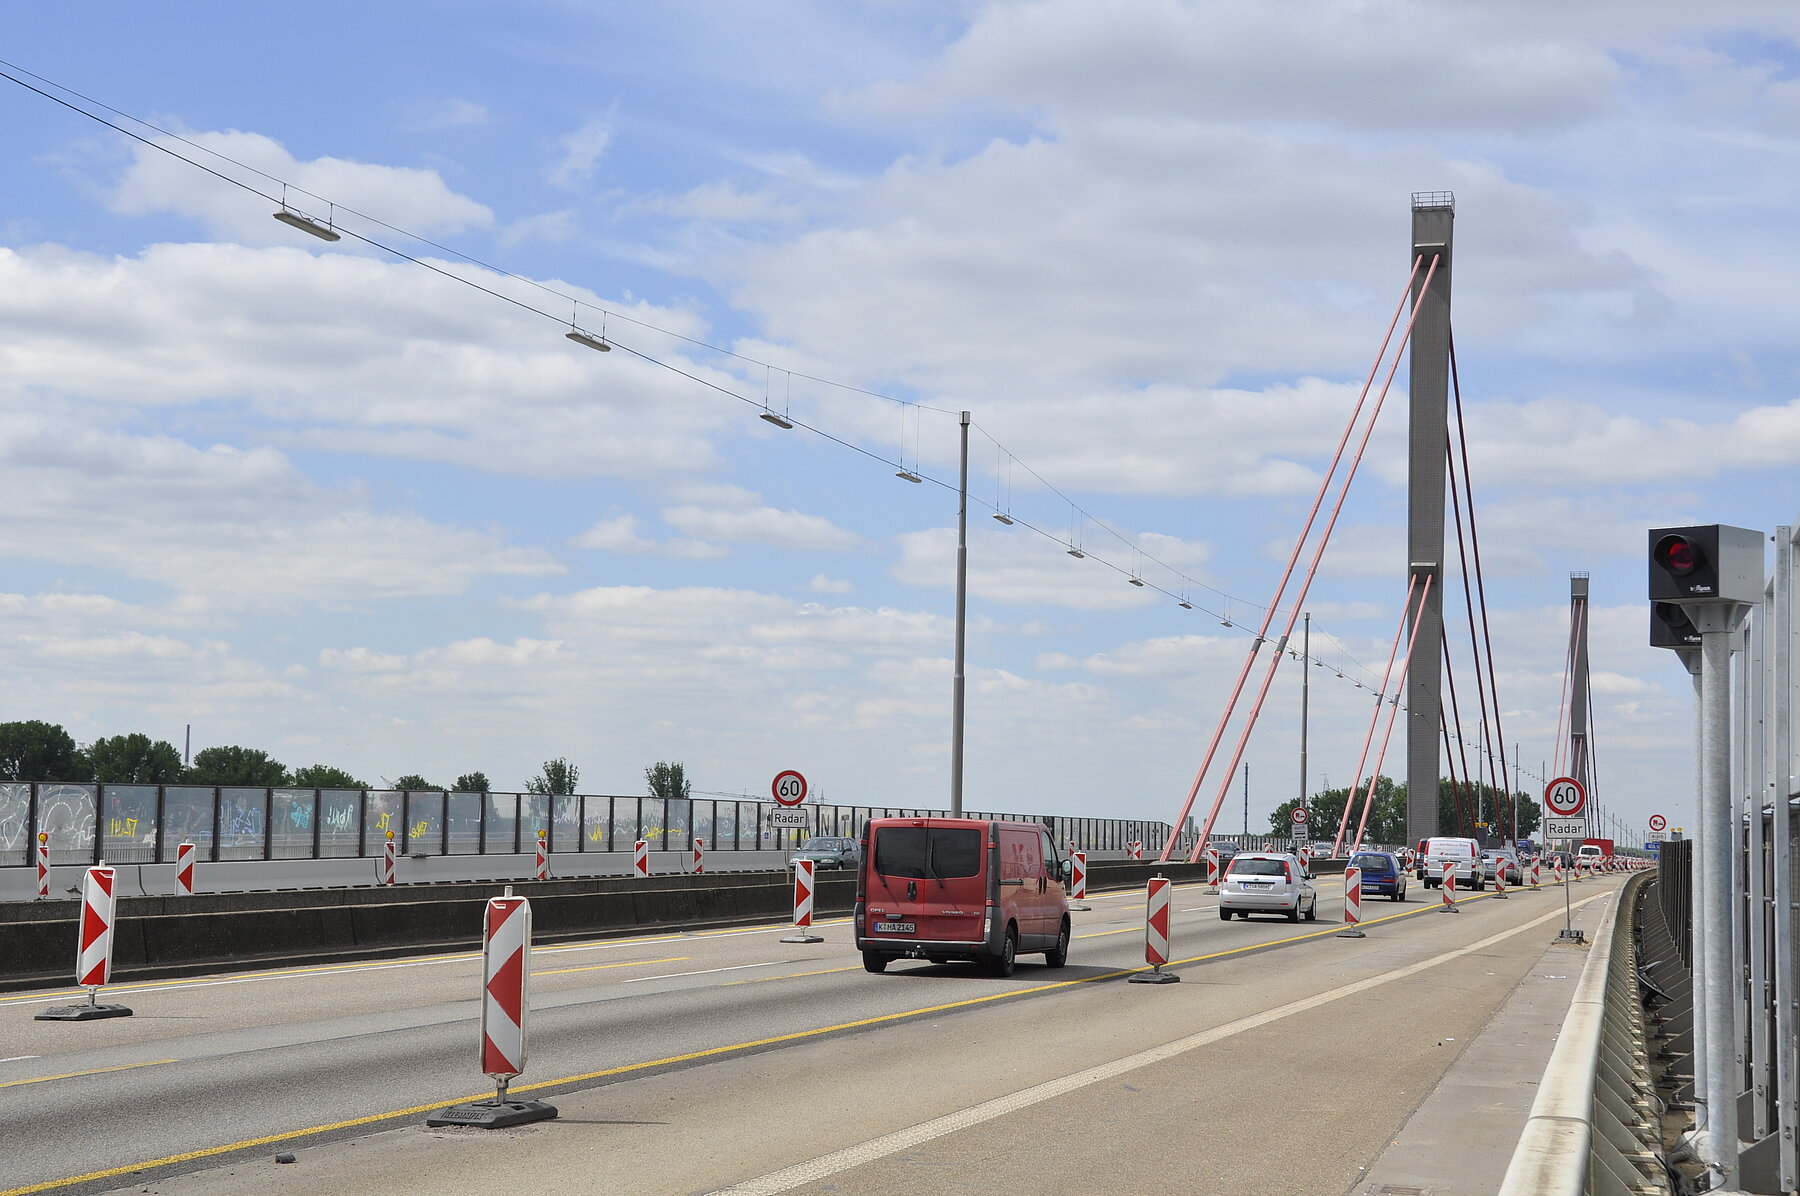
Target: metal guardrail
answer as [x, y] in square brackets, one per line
[1593, 1128]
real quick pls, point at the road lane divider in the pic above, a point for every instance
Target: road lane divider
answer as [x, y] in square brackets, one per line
[92, 1071]
[93, 950]
[624, 963]
[855, 967]
[776, 1183]
[1156, 934]
[371, 1119]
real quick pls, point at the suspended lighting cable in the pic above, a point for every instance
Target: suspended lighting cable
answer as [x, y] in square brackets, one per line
[604, 342]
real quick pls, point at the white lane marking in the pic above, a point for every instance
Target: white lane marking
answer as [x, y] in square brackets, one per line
[826, 1165]
[19, 1058]
[773, 963]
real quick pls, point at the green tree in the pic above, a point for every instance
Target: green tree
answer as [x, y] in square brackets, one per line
[134, 760]
[558, 777]
[667, 780]
[473, 782]
[39, 751]
[414, 782]
[1387, 818]
[324, 776]
[233, 765]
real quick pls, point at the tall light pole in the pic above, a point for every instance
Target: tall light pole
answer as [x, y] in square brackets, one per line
[1305, 693]
[962, 609]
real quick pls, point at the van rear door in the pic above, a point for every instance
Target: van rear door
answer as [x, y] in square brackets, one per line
[931, 878]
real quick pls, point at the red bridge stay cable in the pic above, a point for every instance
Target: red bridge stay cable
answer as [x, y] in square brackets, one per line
[1394, 706]
[1337, 844]
[1262, 632]
[1312, 572]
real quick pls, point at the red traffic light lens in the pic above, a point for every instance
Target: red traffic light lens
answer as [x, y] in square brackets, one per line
[1679, 555]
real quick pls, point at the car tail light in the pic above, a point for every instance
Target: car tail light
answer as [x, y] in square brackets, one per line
[1287, 872]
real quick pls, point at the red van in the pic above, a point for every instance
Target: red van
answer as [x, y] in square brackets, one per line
[947, 889]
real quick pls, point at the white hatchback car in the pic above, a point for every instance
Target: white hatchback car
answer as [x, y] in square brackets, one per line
[1268, 882]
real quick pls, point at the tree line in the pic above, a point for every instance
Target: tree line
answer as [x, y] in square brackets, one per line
[40, 751]
[1461, 807]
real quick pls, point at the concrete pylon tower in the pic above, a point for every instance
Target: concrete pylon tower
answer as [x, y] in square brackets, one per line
[1579, 766]
[1434, 220]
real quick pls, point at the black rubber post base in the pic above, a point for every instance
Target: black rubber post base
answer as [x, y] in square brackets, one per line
[1080, 908]
[1153, 978]
[1571, 936]
[1448, 909]
[81, 1013]
[493, 1115]
[800, 936]
[1350, 932]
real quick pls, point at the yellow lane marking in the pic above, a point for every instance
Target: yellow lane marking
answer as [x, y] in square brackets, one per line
[791, 976]
[595, 967]
[709, 1052]
[1099, 934]
[69, 1075]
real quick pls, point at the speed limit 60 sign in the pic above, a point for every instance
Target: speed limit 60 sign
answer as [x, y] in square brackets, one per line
[1564, 796]
[789, 788]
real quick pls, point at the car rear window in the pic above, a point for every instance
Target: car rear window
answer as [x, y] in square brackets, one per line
[1256, 867]
[1370, 863]
[919, 852]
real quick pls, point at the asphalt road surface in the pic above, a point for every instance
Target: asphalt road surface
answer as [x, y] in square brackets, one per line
[695, 1062]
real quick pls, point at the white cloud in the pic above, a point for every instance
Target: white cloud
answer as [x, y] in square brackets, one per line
[582, 149]
[762, 525]
[452, 113]
[821, 584]
[224, 526]
[620, 534]
[409, 197]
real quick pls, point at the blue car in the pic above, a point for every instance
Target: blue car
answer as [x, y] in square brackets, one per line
[1381, 874]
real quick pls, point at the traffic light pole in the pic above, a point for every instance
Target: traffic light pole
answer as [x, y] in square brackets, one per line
[1713, 884]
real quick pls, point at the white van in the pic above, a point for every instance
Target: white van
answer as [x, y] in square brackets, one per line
[1465, 854]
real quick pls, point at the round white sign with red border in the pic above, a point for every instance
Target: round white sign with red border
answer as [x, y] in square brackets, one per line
[1299, 814]
[1658, 822]
[789, 788]
[1564, 797]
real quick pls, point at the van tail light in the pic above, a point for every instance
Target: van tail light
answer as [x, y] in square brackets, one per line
[1287, 872]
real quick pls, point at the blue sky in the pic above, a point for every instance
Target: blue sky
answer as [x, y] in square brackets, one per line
[311, 498]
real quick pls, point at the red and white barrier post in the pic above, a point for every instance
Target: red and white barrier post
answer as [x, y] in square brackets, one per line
[93, 950]
[1500, 878]
[1536, 868]
[699, 857]
[1078, 881]
[505, 1007]
[43, 864]
[540, 869]
[1156, 934]
[1449, 887]
[1137, 849]
[389, 854]
[184, 869]
[640, 858]
[803, 904]
[1352, 905]
[1212, 870]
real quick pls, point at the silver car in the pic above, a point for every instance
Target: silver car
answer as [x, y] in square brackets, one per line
[1268, 882]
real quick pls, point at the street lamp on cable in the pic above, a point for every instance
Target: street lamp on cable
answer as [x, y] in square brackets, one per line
[1003, 517]
[307, 224]
[588, 339]
[779, 421]
[907, 475]
[1137, 581]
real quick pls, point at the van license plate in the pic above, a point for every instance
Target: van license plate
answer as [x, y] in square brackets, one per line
[894, 928]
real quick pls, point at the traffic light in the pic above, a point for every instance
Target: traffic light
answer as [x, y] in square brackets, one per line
[1670, 627]
[1710, 563]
